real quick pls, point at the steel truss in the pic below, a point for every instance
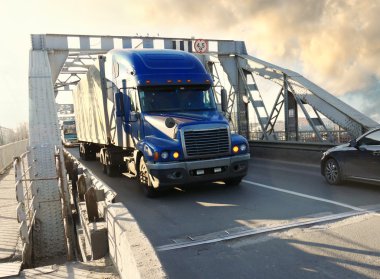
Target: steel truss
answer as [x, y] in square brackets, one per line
[57, 63]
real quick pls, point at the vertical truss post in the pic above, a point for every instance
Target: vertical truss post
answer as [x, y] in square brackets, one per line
[309, 120]
[43, 137]
[242, 107]
[286, 108]
[102, 60]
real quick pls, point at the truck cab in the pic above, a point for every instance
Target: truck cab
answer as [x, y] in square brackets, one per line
[69, 133]
[167, 107]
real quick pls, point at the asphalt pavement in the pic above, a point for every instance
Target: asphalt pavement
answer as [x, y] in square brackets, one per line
[283, 221]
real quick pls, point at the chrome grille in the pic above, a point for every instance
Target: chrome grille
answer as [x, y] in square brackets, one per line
[206, 143]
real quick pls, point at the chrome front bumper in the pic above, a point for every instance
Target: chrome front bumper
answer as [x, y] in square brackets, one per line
[180, 173]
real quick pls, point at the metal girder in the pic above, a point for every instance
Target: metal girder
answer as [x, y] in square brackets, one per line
[230, 66]
[44, 135]
[255, 98]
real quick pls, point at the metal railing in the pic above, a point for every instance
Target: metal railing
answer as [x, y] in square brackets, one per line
[26, 209]
[65, 200]
[306, 136]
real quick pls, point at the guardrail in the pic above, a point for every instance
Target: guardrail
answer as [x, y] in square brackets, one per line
[9, 151]
[290, 151]
[305, 136]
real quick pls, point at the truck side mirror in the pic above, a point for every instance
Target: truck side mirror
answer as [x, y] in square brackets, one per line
[122, 106]
[223, 97]
[119, 104]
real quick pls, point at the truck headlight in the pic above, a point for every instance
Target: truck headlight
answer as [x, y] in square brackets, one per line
[243, 147]
[164, 155]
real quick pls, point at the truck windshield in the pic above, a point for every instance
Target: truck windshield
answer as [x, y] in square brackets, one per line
[69, 128]
[176, 99]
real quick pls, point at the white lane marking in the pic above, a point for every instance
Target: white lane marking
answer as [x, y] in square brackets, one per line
[250, 232]
[304, 195]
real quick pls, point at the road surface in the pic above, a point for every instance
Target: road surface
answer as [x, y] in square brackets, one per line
[283, 221]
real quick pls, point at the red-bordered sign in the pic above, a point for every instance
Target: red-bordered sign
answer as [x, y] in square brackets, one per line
[200, 46]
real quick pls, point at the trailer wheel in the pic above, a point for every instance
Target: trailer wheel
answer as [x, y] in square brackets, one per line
[144, 180]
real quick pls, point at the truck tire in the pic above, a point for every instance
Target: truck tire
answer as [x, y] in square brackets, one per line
[112, 171]
[144, 180]
[87, 152]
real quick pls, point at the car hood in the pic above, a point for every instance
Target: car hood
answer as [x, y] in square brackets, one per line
[339, 147]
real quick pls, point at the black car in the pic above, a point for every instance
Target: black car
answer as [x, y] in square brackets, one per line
[357, 160]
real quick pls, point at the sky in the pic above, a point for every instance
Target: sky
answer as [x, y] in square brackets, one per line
[334, 43]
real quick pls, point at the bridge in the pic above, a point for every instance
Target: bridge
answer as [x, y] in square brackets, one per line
[186, 228]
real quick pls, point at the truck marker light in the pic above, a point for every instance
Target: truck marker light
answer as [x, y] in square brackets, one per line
[207, 81]
[147, 81]
[235, 149]
[156, 155]
[170, 81]
[179, 80]
[175, 155]
[189, 80]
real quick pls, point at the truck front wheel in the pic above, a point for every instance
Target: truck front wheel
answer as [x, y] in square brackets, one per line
[144, 180]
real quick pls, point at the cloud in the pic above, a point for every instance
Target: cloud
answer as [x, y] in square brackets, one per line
[334, 43]
[367, 101]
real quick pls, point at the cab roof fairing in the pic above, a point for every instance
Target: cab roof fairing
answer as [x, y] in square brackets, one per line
[160, 66]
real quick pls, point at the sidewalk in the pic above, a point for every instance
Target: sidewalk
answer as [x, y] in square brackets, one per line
[10, 242]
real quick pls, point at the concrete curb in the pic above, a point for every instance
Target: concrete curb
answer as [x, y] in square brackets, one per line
[130, 250]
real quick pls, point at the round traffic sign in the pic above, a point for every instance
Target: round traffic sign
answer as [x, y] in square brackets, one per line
[200, 46]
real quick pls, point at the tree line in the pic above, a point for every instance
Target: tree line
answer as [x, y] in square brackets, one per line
[8, 135]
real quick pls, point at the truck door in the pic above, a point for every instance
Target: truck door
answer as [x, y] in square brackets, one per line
[134, 123]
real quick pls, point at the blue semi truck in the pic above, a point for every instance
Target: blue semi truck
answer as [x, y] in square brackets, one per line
[152, 115]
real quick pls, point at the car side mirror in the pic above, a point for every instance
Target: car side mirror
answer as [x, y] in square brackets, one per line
[353, 143]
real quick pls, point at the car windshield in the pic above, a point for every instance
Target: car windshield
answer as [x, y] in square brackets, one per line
[176, 99]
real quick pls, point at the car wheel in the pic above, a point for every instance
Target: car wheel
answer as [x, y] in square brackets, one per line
[332, 172]
[144, 180]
